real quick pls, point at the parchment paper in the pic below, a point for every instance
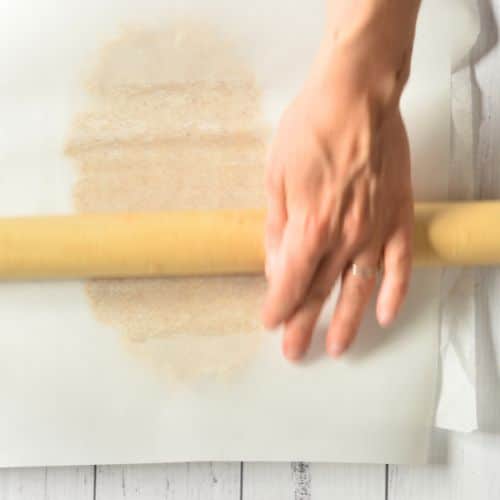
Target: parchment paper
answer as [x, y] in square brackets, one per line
[70, 391]
[456, 408]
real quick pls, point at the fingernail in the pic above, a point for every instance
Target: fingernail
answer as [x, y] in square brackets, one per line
[335, 349]
[267, 318]
[384, 317]
[292, 352]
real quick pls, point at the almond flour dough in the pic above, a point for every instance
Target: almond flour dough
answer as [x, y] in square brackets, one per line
[174, 122]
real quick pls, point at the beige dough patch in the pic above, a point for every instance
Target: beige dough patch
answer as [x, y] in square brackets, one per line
[174, 122]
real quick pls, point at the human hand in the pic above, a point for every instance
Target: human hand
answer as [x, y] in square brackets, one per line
[340, 204]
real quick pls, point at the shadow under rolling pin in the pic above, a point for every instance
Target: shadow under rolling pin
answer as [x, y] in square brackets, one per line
[121, 245]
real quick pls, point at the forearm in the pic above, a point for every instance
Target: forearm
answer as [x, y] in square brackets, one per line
[368, 45]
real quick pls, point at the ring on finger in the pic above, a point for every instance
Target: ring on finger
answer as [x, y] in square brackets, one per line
[364, 272]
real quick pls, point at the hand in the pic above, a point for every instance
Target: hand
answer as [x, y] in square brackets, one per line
[339, 193]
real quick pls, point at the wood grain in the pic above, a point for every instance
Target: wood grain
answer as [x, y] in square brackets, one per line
[302, 481]
[207, 481]
[47, 483]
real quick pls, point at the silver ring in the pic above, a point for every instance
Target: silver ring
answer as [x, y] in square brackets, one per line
[363, 272]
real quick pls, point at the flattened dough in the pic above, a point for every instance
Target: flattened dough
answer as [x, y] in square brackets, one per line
[174, 122]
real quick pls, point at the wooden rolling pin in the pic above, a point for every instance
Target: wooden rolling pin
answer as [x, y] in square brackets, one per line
[210, 243]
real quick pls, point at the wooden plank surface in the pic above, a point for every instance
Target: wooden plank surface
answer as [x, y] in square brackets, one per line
[207, 481]
[47, 483]
[470, 470]
[302, 481]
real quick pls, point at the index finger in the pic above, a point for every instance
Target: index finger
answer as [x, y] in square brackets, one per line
[275, 224]
[297, 260]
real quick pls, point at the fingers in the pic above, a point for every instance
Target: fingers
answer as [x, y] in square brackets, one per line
[296, 262]
[396, 278]
[275, 223]
[299, 329]
[354, 296]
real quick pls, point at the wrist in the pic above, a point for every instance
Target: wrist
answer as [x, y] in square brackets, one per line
[368, 44]
[351, 73]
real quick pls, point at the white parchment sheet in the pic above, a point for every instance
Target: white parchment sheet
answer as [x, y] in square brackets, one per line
[70, 393]
[456, 408]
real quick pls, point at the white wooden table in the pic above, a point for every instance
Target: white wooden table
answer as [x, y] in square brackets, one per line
[465, 466]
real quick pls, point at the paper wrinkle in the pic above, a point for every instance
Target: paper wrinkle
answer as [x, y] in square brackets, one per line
[464, 33]
[456, 408]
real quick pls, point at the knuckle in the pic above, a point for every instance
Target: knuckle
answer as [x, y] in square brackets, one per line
[319, 294]
[359, 233]
[359, 288]
[356, 229]
[316, 231]
[403, 256]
